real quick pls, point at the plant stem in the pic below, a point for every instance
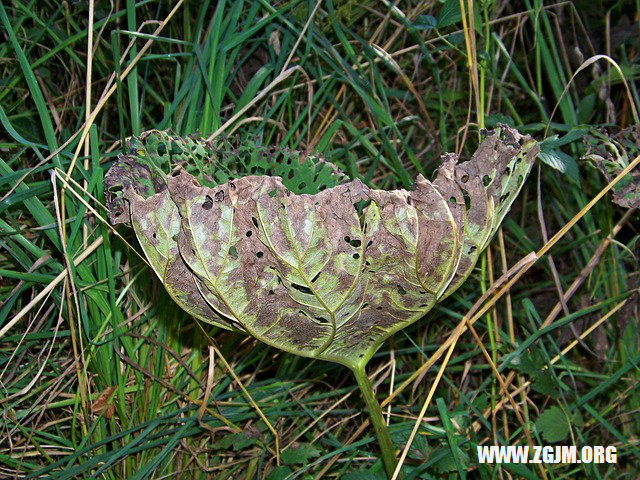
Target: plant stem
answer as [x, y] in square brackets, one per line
[377, 420]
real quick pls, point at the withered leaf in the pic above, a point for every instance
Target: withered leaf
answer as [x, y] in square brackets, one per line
[103, 404]
[612, 153]
[308, 274]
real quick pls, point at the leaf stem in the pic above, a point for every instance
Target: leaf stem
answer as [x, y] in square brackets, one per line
[377, 420]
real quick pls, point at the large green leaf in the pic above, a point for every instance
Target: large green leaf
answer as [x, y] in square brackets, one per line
[308, 273]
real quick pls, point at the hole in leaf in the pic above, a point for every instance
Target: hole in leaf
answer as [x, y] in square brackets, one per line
[360, 206]
[467, 199]
[369, 243]
[507, 171]
[161, 149]
[504, 197]
[316, 277]
[347, 239]
[302, 185]
[356, 256]
[259, 254]
[154, 235]
[249, 233]
[408, 200]
[520, 179]
[472, 248]
[272, 193]
[322, 187]
[233, 252]
[465, 178]
[302, 288]
[401, 290]
[486, 180]
[378, 308]
[271, 292]
[452, 199]
[355, 243]
[290, 176]
[208, 203]
[255, 221]
[175, 148]
[219, 196]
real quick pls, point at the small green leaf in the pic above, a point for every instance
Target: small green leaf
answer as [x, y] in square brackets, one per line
[448, 463]
[533, 364]
[365, 474]
[299, 455]
[481, 402]
[586, 107]
[425, 22]
[554, 141]
[560, 161]
[529, 362]
[419, 449]
[456, 39]
[236, 441]
[493, 120]
[545, 384]
[449, 13]
[280, 473]
[577, 419]
[552, 424]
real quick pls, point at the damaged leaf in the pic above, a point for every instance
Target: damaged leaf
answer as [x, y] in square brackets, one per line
[148, 159]
[307, 273]
[611, 154]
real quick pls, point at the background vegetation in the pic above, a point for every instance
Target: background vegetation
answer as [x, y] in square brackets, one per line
[102, 376]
